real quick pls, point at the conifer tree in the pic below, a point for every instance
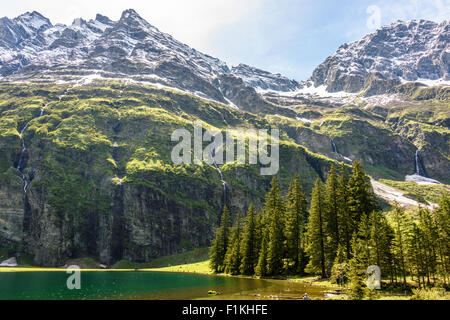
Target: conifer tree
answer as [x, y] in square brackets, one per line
[381, 236]
[220, 243]
[356, 271]
[399, 243]
[316, 231]
[296, 219]
[249, 245]
[364, 240]
[429, 240]
[361, 199]
[332, 214]
[344, 217]
[415, 255]
[339, 271]
[274, 211]
[261, 267]
[442, 218]
[232, 260]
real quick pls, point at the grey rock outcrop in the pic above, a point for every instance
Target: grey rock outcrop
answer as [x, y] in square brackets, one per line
[402, 51]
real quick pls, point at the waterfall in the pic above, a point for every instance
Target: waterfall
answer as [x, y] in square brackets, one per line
[212, 154]
[420, 169]
[333, 146]
[336, 151]
[20, 163]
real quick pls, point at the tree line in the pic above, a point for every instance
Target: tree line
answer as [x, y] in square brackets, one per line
[338, 237]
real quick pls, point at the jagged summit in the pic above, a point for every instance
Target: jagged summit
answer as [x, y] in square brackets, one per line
[32, 48]
[414, 50]
[103, 19]
[127, 48]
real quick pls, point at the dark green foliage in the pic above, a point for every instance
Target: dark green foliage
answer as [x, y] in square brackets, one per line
[356, 271]
[401, 227]
[249, 247]
[339, 271]
[233, 256]
[345, 226]
[381, 237]
[316, 231]
[442, 218]
[274, 210]
[220, 244]
[295, 226]
[261, 267]
[331, 215]
[361, 200]
[285, 236]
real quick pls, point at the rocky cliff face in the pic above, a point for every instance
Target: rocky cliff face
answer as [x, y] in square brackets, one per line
[263, 80]
[100, 179]
[402, 51]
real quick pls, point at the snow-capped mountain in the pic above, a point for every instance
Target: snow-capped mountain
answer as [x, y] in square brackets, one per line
[32, 48]
[415, 50]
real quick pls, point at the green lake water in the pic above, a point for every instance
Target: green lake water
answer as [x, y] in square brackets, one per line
[145, 285]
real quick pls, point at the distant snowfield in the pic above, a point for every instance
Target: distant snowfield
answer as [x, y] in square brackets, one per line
[320, 92]
[420, 179]
[152, 80]
[430, 83]
[393, 195]
[309, 90]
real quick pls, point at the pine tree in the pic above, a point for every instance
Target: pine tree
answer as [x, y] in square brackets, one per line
[261, 267]
[381, 236]
[361, 199]
[339, 271]
[429, 240]
[415, 256]
[331, 216]
[364, 240]
[274, 211]
[249, 245]
[442, 218]
[232, 260]
[356, 271]
[344, 216]
[220, 243]
[399, 243]
[316, 231]
[296, 218]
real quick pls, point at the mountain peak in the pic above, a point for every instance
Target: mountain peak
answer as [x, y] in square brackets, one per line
[33, 20]
[130, 13]
[103, 19]
[401, 51]
[131, 18]
[78, 22]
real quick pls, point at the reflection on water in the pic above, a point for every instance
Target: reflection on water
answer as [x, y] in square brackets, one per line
[146, 285]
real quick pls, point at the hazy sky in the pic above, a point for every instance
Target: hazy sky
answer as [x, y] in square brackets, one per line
[286, 36]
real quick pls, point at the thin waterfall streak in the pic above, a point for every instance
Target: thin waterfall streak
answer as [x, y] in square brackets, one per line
[19, 167]
[420, 170]
[212, 155]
